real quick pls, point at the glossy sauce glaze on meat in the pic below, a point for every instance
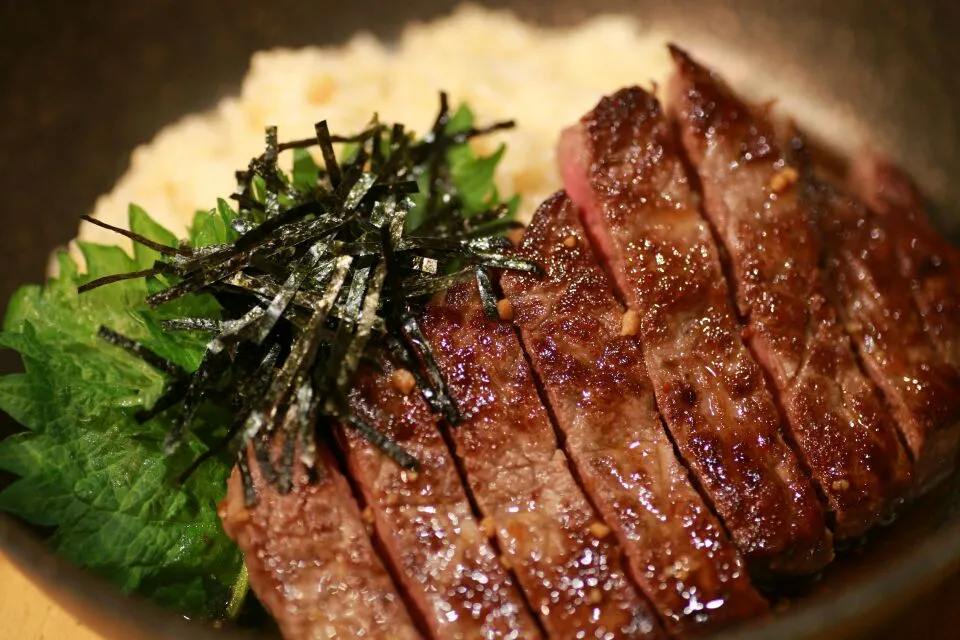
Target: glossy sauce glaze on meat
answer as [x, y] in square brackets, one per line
[879, 313]
[443, 560]
[309, 559]
[590, 365]
[808, 354]
[927, 261]
[834, 415]
[569, 568]
[621, 165]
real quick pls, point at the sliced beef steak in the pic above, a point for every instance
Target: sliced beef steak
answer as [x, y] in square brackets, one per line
[877, 307]
[595, 381]
[310, 561]
[442, 559]
[566, 564]
[834, 414]
[927, 261]
[621, 166]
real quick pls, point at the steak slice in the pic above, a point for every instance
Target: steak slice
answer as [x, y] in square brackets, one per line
[560, 551]
[929, 262]
[621, 167]
[597, 387]
[310, 561]
[834, 415]
[878, 311]
[443, 561]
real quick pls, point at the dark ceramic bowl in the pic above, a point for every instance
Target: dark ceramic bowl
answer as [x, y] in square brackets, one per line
[83, 83]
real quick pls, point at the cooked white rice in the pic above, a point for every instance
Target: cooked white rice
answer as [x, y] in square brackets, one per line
[503, 68]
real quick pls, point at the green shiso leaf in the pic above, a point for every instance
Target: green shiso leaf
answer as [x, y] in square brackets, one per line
[86, 465]
[474, 178]
[213, 227]
[276, 304]
[305, 170]
[141, 223]
[472, 175]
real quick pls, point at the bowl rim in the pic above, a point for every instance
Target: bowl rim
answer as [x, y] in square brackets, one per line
[93, 600]
[851, 612]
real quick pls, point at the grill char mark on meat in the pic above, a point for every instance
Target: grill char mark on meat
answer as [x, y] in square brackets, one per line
[310, 561]
[877, 308]
[928, 261]
[596, 384]
[838, 424]
[442, 559]
[621, 167]
[570, 571]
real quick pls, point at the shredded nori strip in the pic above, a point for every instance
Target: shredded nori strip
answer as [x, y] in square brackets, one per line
[192, 324]
[325, 277]
[156, 361]
[385, 444]
[246, 478]
[249, 387]
[100, 282]
[488, 297]
[418, 344]
[136, 237]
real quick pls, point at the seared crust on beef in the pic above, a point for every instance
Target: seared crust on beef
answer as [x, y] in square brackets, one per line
[596, 383]
[310, 561]
[620, 165]
[834, 415]
[928, 261]
[443, 561]
[877, 307]
[548, 533]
